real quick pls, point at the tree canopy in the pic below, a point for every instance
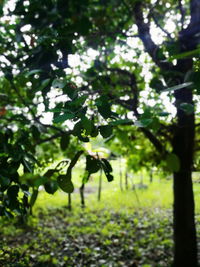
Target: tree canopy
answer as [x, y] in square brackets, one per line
[73, 70]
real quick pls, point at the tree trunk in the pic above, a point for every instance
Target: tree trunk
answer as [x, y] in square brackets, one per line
[185, 245]
[100, 185]
[69, 202]
[82, 195]
[185, 248]
[151, 176]
[120, 175]
[126, 180]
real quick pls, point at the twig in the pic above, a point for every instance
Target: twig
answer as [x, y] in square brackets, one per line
[160, 27]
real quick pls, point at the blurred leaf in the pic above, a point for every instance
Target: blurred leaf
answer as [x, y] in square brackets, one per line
[51, 187]
[185, 54]
[121, 122]
[44, 84]
[64, 141]
[104, 107]
[34, 196]
[143, 123]
[87, 124]
[65, 183]
[80, 101]
[92, 164]
[105, 131]
[33, 72]
[163, 114]
[13, 191]
[50, 173]
[107, 169]
[177, 87]
[64, 117]
[187, 108]
[57, 83]
[156, 84]
[94, 131]
[107, 165]
[4, 182]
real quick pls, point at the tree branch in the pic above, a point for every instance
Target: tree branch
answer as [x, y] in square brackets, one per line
[189, 37]
[151, 14]
[182, 11]
[160, 27]
[55, 136]
[145, 36]
[152, 138]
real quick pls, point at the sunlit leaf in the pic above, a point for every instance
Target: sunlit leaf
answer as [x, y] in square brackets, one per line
[143, 122]
[177, 87]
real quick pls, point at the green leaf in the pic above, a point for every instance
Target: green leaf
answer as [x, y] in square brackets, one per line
[103, 107]
[87, 124]
[107, 165]
[163, 114]
[173, 162]
[51, 187]
[63, 117]
[143, 123]
[92, 164]
[156, 84]
[35, 132]
[80, 101]
[94, 131]
[105, 111]
[187, 108]
[4, 182]
[64, 141]
[77, 130]
[13, 191]
[71, 91]
[65, 183]
[44, 84]
[121, 122]
[40, 181]
[50, 173]
[34, 196]
[109, 177]
[105, 131]
[107, 169]
[57, 83]
[32, 72]
[27, 166]
[185, 54]
[177, 87]
[84, 139]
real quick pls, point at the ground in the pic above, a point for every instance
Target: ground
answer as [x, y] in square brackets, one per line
[89, 238]
[130, 228]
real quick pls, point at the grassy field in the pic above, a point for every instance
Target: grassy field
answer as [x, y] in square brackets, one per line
[126, 228]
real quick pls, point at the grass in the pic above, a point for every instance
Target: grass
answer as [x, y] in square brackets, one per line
[126, 228]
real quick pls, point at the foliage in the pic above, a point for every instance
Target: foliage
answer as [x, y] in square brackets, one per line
[122, 73]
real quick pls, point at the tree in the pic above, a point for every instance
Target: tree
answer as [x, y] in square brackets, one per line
[37, 42]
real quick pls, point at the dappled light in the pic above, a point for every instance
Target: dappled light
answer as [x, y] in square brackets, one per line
[99, 133]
